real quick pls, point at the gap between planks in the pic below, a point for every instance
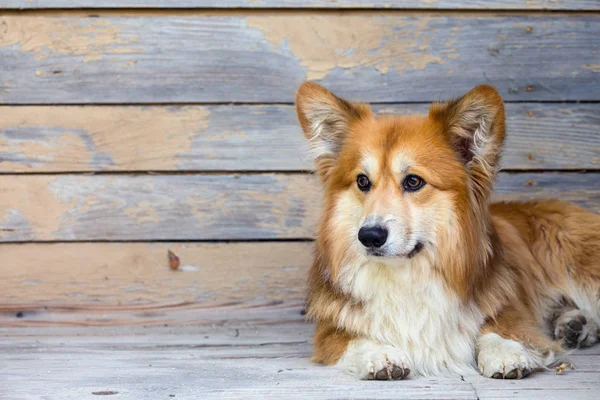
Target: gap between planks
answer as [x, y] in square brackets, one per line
[241, 12]
[513, 171]
[265, 103]
[301, 4]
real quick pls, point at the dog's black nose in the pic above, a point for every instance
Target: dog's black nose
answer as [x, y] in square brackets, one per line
[374, 236]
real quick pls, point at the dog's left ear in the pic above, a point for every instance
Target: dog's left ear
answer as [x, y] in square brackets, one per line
[475, 128]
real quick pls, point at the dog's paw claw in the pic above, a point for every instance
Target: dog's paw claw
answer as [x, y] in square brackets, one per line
[372, 361]
[517, 373]
[501, 358]
[400, 373]
[391, 372]
[382, 375]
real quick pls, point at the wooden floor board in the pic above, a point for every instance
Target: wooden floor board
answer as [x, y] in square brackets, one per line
[231, 361]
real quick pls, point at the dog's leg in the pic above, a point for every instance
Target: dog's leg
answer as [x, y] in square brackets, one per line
[361, 357]
[513, 345]
[576, 328]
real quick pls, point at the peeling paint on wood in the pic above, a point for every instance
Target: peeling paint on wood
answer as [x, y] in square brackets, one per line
[323, 44]
[256, 138]
[206, 207]
[592, 67]
[92, 39]
[99, 138]
[192, 206]
[220, 58]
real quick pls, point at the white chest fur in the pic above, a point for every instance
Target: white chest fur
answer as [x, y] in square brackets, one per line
[410, 310]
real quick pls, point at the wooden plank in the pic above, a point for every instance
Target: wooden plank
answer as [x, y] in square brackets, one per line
[263, 57]
[184, 207]
[218, 363]
[233, 360]
[71, 314]
[205, 207]
[138, 273]
[576, 384]
[386, 4]
[243, 138]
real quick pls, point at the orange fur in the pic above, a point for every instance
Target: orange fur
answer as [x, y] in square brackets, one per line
[330, 343]
[516, 263]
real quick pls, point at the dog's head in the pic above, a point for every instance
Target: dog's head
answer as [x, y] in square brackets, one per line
[402, 187]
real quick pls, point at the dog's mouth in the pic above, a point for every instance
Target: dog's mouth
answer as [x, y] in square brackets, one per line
[380, 253]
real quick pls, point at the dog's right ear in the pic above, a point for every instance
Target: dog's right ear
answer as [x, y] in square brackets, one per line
[325, 120]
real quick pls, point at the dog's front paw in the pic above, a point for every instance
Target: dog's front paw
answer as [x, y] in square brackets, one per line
[385, 366]
[369, 360]
[501, 358]
[574, 329]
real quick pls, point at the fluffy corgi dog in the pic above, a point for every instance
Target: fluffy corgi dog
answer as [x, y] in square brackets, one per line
[415, 272]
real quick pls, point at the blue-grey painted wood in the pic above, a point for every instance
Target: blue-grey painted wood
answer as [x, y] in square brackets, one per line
[206, 207]
[249, 138]
[263, 57]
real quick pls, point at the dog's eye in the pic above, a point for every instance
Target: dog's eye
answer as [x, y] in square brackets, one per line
[412, 183]
[363, 182]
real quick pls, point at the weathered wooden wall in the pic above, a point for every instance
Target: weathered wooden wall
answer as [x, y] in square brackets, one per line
[261, 57]
[128, 128]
